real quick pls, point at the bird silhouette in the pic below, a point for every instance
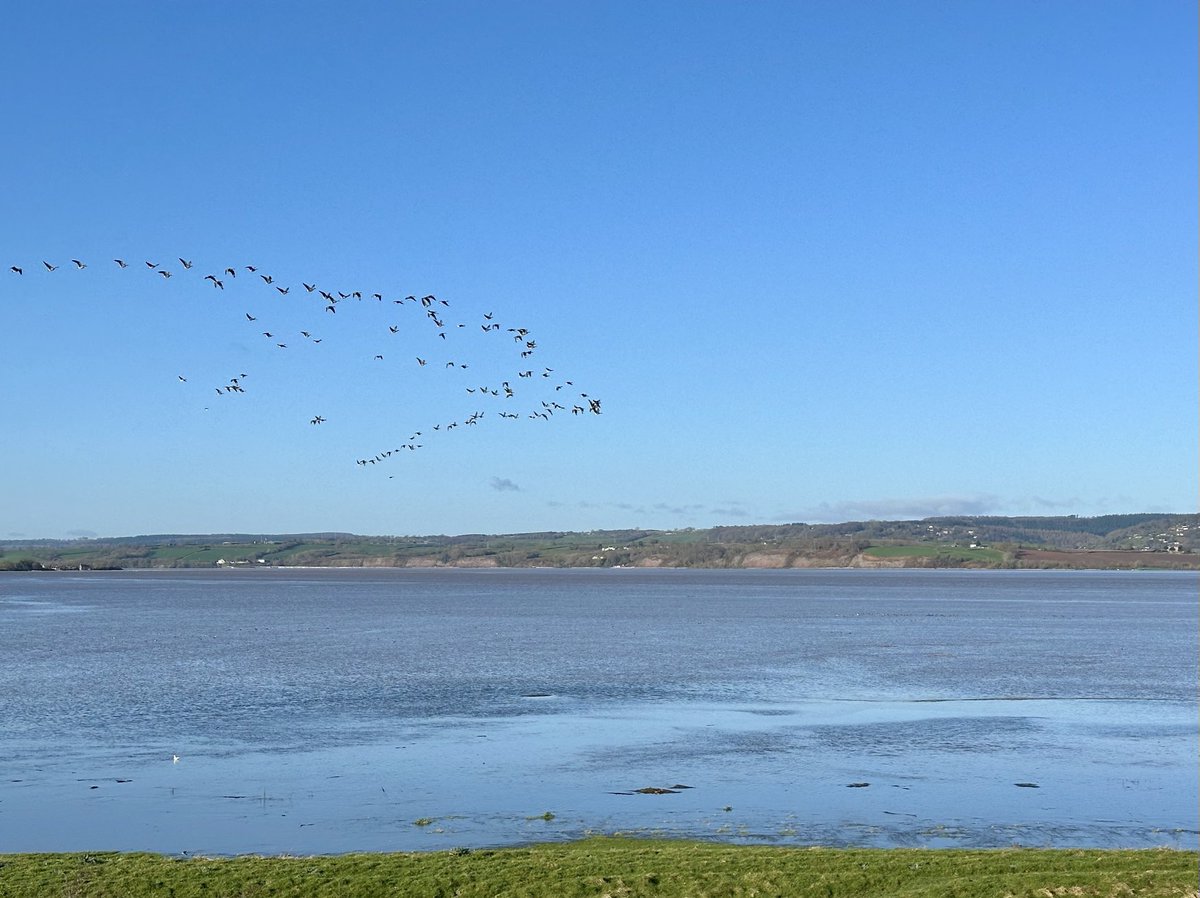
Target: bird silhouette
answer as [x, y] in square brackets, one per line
[525, 346]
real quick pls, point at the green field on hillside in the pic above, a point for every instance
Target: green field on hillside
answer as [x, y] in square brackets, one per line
[963, 553]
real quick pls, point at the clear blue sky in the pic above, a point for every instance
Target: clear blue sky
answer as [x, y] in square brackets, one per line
[818, 260]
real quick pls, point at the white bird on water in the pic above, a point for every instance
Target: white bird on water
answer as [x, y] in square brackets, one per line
[174, 759]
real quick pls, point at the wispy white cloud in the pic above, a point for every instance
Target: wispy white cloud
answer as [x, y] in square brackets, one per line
[681, 510]
[667, 514]
[900, 509]
[1056, 504]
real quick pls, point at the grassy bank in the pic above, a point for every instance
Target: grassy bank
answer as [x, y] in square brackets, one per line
[948, 553]
[614, 867]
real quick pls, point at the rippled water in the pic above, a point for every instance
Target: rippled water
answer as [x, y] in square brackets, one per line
[322, 711]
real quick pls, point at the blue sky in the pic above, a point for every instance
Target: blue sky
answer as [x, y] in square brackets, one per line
[819, 261]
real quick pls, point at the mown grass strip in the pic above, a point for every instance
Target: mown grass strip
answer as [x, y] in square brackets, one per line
[961, 553]
[616, 867]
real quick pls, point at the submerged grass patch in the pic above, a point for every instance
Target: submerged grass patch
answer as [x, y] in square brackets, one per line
[616, 867]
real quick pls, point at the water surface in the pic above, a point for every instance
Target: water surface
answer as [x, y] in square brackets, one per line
[320, 711]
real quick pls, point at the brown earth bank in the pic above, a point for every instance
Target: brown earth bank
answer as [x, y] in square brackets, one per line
[435, 561]
[1101, 558]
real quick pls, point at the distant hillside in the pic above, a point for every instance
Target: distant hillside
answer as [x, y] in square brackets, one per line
[1132, 540]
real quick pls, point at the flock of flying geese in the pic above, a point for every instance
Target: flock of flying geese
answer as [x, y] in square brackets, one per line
[434, 312]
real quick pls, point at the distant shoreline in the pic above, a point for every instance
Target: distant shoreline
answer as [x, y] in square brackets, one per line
[1069, 561]
[1127, 541]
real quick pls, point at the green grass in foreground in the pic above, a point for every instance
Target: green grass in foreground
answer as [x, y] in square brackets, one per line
[615, 867]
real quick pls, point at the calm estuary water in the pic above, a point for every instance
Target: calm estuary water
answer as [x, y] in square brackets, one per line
[324, 711]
